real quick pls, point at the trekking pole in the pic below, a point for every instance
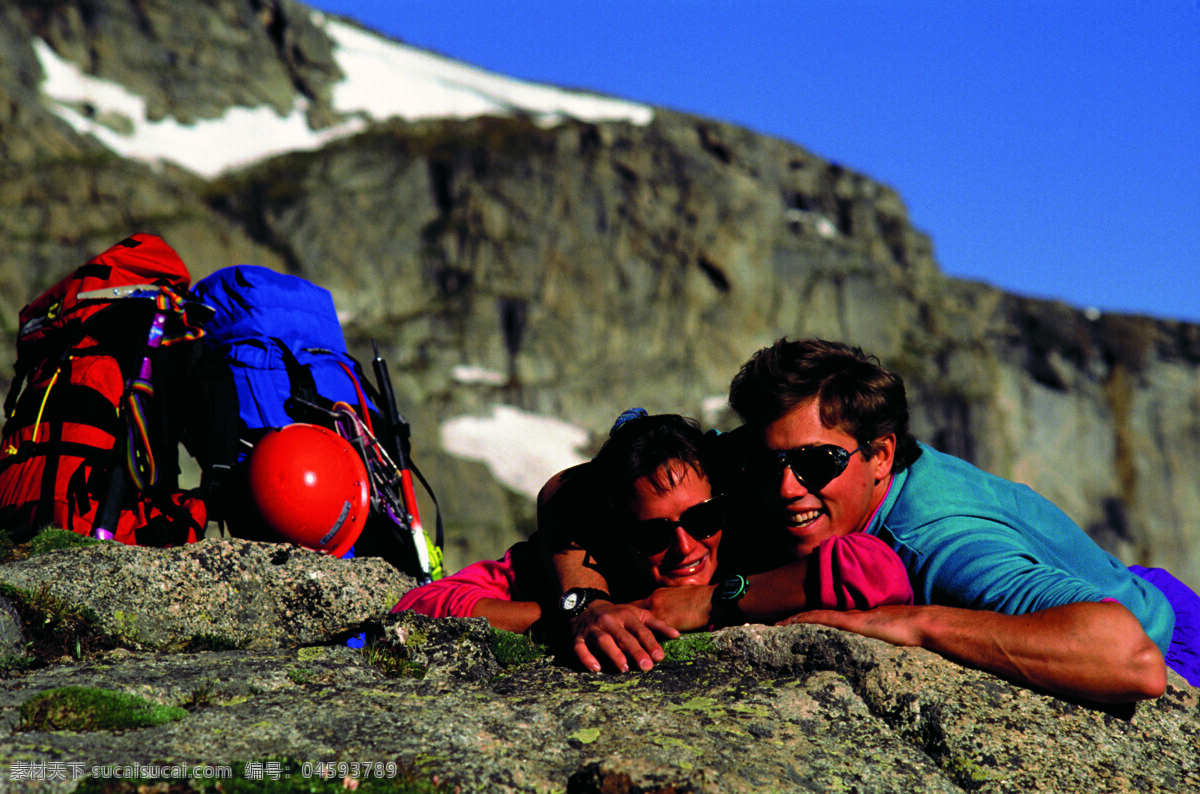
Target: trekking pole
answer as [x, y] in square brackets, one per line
[398, 434]
[389, 496]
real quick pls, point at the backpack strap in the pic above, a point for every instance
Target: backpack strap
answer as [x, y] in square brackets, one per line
[212, 433]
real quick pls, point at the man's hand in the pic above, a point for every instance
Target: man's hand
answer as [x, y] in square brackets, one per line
[1092, 650]
[686, 608]
[890, 624]
[620, 633]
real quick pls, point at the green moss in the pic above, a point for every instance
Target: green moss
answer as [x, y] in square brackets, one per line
[393, 662]
[213, 642]
[514, 650]
[586, 735]
[968, 773]
[697, 703]
[689, 647]
[75, 708]
[308, 653]
[300, 675]
[55, 539]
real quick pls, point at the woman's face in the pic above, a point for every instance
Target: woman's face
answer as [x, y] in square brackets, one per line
[687, 560]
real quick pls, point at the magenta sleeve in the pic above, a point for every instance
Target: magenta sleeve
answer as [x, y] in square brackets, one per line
[456, 596]
[858, 571]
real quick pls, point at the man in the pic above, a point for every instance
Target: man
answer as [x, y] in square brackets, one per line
[1004, 581]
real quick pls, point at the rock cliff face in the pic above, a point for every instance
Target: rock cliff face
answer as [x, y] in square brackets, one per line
[238, 644]
[592, 266]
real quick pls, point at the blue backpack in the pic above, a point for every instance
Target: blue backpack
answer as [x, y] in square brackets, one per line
[273, 354]
[280, 338]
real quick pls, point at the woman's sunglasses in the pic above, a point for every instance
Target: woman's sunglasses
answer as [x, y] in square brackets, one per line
[701, 521]
[815, 467]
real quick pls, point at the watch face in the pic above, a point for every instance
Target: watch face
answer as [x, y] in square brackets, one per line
[731, 589]
[570, 600]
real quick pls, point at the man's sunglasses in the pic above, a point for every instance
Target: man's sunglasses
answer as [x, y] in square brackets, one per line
[815, 467]
[701, 521]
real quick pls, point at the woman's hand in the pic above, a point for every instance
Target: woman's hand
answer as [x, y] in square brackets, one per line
[620, 633]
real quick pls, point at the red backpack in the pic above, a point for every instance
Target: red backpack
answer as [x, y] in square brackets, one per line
[88, 444]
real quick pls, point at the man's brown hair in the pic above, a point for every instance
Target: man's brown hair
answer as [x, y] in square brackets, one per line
[855, 393]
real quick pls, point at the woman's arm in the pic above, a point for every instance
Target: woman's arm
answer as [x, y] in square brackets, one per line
[619, 633]
[515, 616]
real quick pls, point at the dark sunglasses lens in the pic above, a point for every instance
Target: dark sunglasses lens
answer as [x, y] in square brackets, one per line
[816, 467]
[701, 521]
[651, 536]
[705, 519]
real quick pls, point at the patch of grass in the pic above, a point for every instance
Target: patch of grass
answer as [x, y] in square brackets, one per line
[689, 647]
[515, 650]
[55, 539]
[56, 627]
[213, 642]
[393, 662]
[300, 675]
[15, 541]
[8, 549]
[200, 697]
[16, 663]
[76, 708]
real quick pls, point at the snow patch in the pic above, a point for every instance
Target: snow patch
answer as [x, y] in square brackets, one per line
[386, 79]
[383, 79]
[240, 137]
[522, 450]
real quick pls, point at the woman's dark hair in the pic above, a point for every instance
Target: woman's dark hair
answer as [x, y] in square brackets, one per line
[855, 393]
[642, 447]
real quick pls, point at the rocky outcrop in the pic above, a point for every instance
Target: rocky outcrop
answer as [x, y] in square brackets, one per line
[590, 266]
[452, 705]
[229, 592]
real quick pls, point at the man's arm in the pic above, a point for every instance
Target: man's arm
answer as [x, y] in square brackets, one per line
[1092, 650]
[1095, 651]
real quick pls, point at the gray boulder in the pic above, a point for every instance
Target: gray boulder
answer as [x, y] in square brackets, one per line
[453, 705]
[227, 592]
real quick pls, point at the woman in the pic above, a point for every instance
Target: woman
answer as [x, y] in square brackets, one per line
[659, 522]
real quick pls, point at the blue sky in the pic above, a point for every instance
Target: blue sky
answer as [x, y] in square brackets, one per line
[1051, 148]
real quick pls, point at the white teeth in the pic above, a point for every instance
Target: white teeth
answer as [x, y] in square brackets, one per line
[800, 519]
[689, 569]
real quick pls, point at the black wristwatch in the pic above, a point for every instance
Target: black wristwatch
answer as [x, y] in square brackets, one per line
[727, 594]
[575, 600]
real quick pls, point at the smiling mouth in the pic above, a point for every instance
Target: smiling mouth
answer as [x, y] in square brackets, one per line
[690, 569]
[801, 520]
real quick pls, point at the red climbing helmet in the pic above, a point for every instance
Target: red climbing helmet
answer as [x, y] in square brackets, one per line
[309, 487]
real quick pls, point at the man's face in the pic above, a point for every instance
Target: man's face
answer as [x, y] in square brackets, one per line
[843, 505]
[686, 561]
